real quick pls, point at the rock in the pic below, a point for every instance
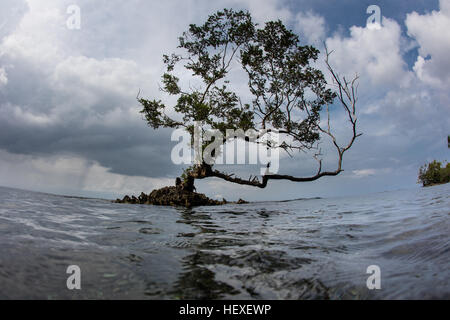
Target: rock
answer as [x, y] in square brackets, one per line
[182, 194]
[143, 198]
[172, 196]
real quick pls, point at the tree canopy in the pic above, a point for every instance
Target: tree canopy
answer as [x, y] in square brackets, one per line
[434, 173]
[288, 95]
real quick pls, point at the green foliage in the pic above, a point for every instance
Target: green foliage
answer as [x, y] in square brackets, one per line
[287, 93]
[434, 173]
[186, 173]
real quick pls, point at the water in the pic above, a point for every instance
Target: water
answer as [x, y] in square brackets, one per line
[303, 249]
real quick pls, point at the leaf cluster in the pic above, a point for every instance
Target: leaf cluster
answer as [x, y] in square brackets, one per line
[287, 93]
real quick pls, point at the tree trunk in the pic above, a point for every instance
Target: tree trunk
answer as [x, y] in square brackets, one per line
[188, 184]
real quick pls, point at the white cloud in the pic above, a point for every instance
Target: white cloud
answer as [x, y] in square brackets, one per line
[395, 101]
[375, 54]
[100, 88]
[431, 33]
[115, 75]
[364, 173]
[262, 10]
[3, 77]
[311, 26]
[37, 38]
[20, 115]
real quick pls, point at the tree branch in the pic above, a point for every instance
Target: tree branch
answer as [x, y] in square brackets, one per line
[347, 95]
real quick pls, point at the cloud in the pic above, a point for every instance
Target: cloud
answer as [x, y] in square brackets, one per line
[394, 101]
[261, 10]
[400, 111]
[37, 36]
[78, 75]
[364, 173]
[311, 26]
[3, 77]
[52, 173]
[67, 97]
[15, 114]
[432, 65]
[58, 99]
[375, 54]
[10, 15]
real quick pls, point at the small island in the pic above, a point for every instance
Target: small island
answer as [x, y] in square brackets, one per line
[434, 173]
[182, 194]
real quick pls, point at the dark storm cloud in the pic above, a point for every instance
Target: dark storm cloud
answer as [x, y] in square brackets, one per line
[37, 118]
[127, 151]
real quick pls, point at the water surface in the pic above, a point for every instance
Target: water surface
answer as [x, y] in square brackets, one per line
[302, 249]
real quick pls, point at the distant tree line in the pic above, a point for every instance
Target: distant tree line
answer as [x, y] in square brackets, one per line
[434, 173]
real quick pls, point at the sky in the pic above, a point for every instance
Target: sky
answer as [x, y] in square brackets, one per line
[70, 122]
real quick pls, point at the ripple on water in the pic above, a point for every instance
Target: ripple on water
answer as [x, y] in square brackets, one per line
[302, 249]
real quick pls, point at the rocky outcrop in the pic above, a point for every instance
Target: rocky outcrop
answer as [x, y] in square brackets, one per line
[182, 194]
[172, 196]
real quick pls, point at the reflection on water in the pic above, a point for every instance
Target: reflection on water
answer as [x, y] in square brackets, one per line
[303, 249]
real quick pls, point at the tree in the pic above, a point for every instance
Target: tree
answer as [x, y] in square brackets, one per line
[433, 173]
[288, 94]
